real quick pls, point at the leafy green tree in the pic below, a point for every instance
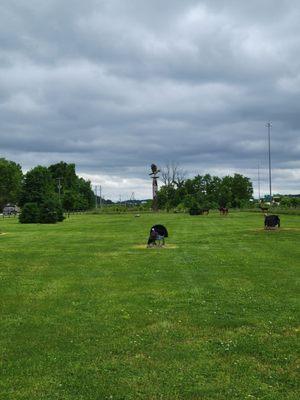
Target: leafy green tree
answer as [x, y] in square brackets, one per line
[69, 200]
[212, 190]
[81, 203]
[10, 182]
[295, 202]
[38, 186]
[285, 202]
[167, 197]
[241, 189]
[194, 207]
[76, 193]
[66, 173]
[179, 195]
[190, 201]
[86, 196]
[162, 197]
[225, 193]
[290, 202]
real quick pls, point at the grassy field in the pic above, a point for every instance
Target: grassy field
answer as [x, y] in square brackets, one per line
[88, 313]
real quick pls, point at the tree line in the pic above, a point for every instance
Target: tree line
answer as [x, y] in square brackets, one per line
[57, 184]
[204, 191]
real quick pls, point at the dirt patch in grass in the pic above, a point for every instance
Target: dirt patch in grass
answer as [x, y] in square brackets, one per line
[144, 247]
[276, 230]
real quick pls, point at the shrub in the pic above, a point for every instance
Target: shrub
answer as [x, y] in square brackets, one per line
[50, 212]
[180, 208]
[30, 213]
[60, 213]
[195, 208]
[195, 211]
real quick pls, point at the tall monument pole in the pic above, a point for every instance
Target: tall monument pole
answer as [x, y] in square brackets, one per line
[269, 125]
[154, 177]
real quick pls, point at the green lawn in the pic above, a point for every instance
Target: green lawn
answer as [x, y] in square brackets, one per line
[88, 314]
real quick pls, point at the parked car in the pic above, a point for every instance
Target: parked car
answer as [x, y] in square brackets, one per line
[10, 209]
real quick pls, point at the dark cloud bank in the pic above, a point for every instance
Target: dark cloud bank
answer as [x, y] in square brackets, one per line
[115, 85]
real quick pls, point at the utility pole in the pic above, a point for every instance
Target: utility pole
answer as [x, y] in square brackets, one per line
[100, 197]
[59, 186]
[258, 176]
[269, 125]
[96, 200]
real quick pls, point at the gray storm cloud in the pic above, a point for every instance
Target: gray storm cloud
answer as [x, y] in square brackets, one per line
[116, 85]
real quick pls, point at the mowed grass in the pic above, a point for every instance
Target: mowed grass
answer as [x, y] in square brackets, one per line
[89, 313]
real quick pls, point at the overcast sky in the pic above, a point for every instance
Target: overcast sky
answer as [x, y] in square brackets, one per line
[115, 85]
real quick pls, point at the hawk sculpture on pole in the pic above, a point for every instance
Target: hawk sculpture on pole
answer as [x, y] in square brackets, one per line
[154, 169]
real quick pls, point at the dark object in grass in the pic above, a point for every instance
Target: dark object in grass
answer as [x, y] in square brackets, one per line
[223, 210]
[204, 211]
[272, 221]
[157, 236]
[199, 211]
[194, 211]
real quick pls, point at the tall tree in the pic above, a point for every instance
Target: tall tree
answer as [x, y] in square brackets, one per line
[10, 182]
[85, 194]
[38, 186]
[225, 192]
[76, 193]
[242, 190]
[65, 173]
